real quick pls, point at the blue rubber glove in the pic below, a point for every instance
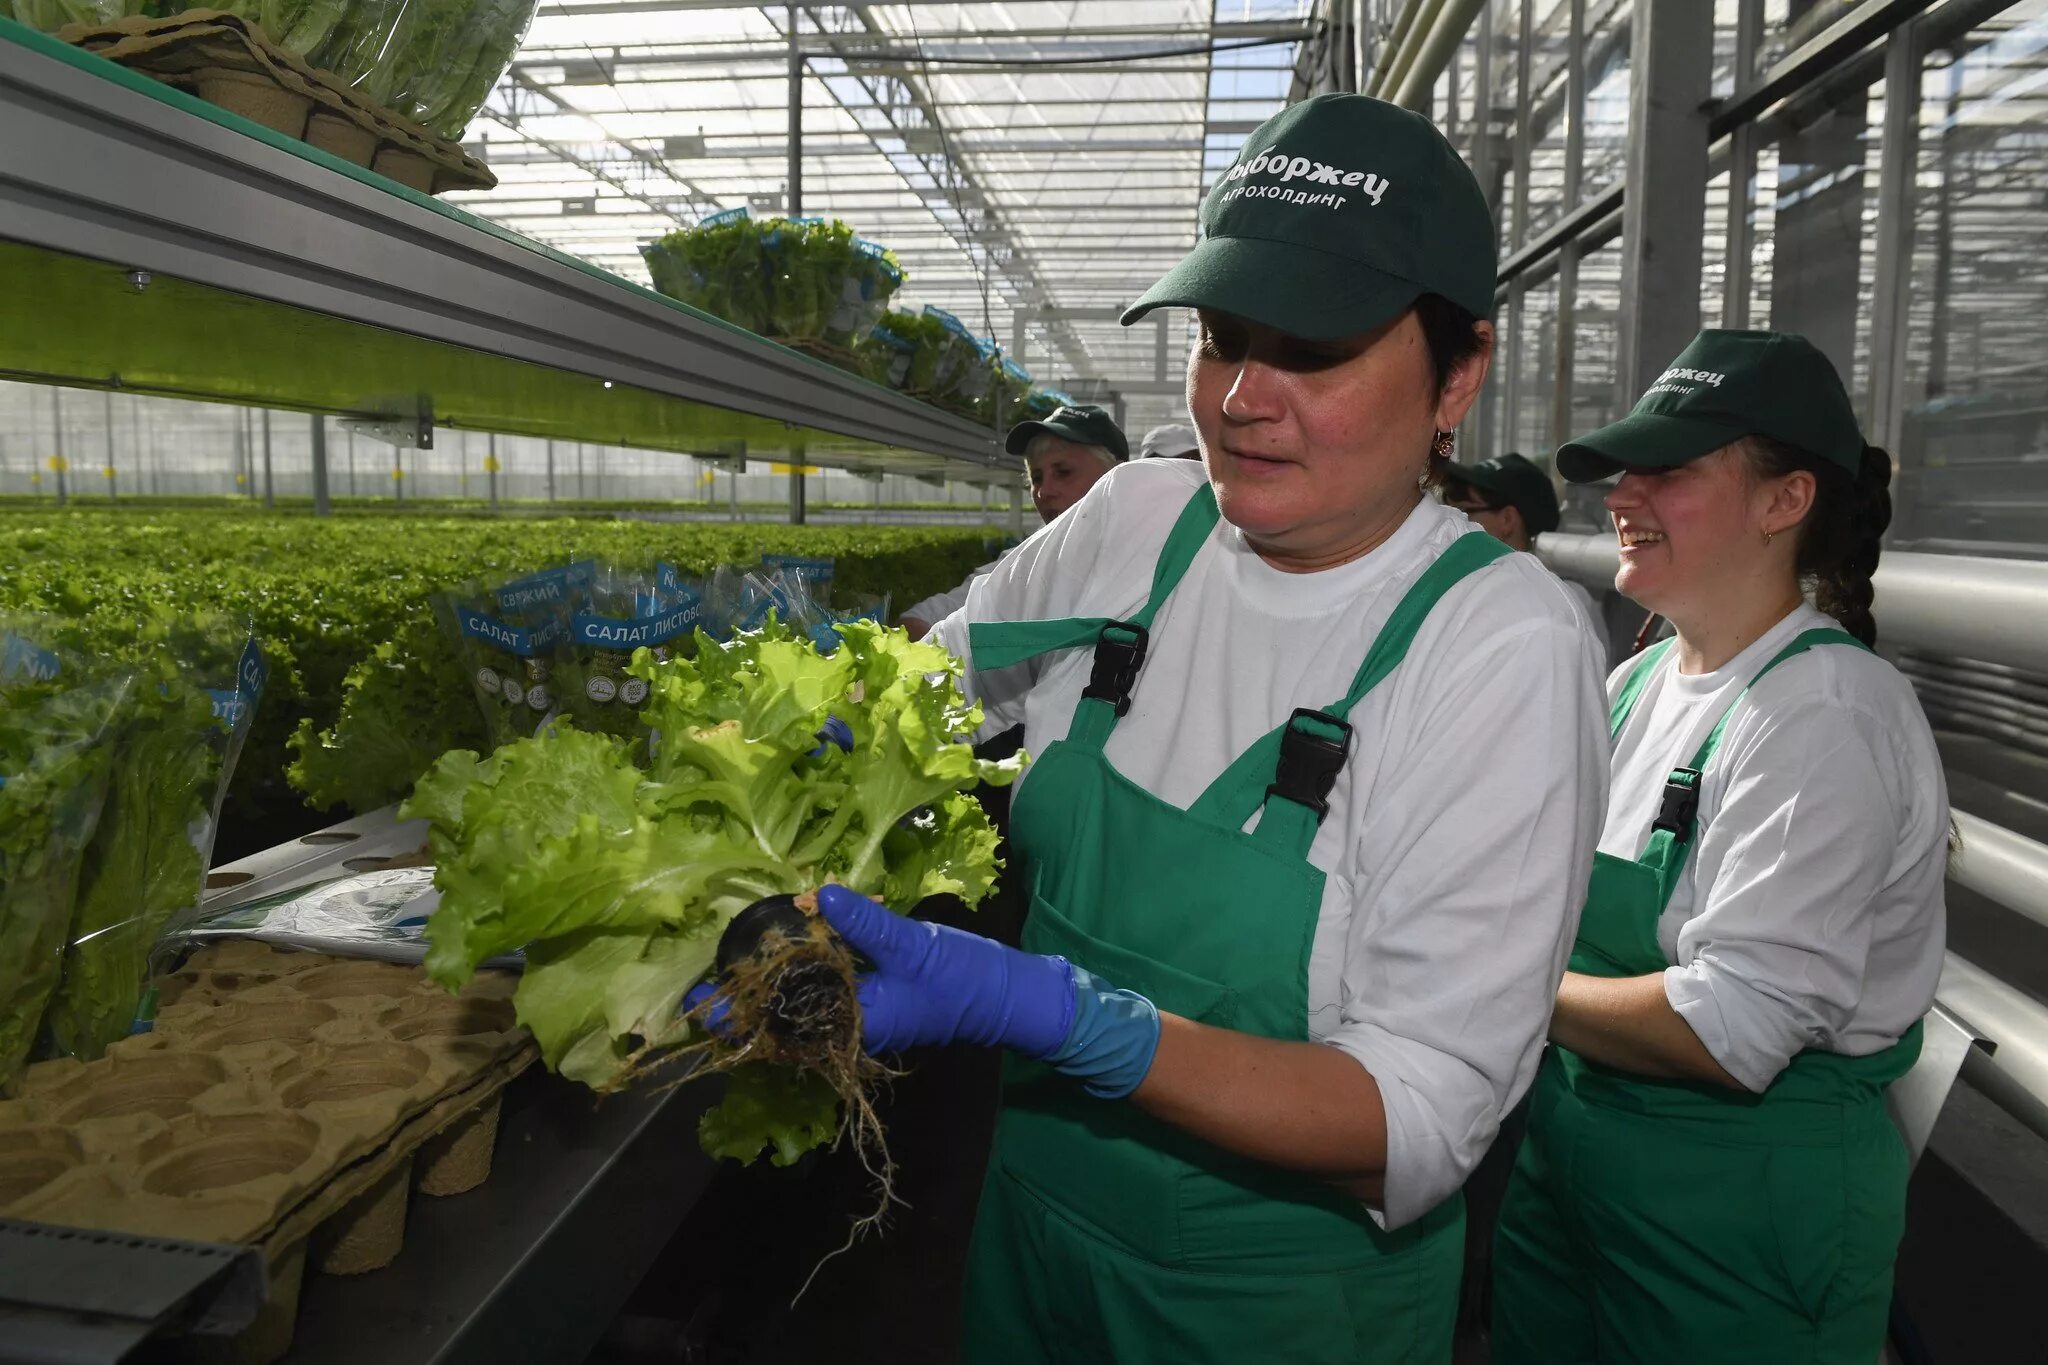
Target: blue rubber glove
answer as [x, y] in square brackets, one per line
[932, 984]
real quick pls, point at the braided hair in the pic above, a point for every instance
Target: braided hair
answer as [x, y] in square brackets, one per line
[1842, 535]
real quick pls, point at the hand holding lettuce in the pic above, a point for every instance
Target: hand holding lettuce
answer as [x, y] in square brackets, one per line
[618, 880]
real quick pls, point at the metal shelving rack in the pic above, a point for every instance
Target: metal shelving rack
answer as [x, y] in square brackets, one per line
[105, 165]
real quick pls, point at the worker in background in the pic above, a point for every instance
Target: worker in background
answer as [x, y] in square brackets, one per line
[1710, 1174]
[1173, 441]
[1064, 454]
[1317, 773]
[1513, 501]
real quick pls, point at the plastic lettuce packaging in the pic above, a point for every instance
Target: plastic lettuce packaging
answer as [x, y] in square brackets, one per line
[621, 611]
[717, 267]
[507, 639]
[884, 356]
[810, 265]
[440, 59]
[865, 295]
[175, 737]
[794, 279]
[54, 762]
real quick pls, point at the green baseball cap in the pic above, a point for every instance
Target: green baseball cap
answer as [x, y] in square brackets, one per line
[1517, 482]
[1725, 386]
[1338, 214]
[1091, 426]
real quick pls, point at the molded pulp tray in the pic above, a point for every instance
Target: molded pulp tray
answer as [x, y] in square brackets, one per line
[288, 1100]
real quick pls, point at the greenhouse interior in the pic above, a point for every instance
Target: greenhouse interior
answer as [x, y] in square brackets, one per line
[525, 523]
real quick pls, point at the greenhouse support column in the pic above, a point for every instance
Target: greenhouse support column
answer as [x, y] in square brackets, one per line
[321, 506]
[1890, 305]
[349, 436]
[579, 470]
[57, 460]
[551, 473]
[491, 466]
[113, 482]
[269, 489]
[795, 210]
[795, 206]
[1663, 215]
[1741, 243]
[1017, 510]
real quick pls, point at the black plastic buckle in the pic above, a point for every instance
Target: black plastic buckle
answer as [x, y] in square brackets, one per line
[1309, 763]
[1116, 664]
[1681, 802]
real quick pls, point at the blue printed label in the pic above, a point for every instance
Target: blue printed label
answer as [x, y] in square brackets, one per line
[232, 707]
[720, 219]
[528, 594]
[524, 643]
[815, 570]
[20, 659]
[610, 632]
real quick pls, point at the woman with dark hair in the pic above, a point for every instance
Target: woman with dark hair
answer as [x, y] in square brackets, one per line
[1710, 1172]
[1317, 772]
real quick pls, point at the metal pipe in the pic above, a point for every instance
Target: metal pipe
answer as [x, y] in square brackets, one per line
[1429, 62]
[2002, 866]
[1389, 80]
[2015, 1076]
[1396, 37]
[1947, 604]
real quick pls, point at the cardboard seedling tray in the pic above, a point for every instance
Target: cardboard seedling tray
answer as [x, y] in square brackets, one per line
[230, 62]
[290, 1101]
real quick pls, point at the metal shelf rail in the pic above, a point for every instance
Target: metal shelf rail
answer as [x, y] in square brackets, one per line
[101, 163]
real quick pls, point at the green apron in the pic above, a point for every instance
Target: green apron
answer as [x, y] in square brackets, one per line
[1680, 1223]
[1106, 1235]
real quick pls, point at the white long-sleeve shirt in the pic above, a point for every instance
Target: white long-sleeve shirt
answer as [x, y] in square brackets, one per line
[1811, 913]
[940, 605]
[1460, 832]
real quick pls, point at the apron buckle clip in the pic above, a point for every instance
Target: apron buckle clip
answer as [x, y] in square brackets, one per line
[1681, 802]
[1117, 662]
[1309, 762]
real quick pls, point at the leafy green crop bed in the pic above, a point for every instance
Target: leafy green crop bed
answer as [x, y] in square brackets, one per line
[363, 692]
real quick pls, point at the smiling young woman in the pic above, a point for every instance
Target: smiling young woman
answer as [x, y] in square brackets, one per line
[1710, 1173]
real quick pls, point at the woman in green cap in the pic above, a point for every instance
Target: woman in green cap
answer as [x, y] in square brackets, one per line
[1318, 771]
[1710, 1173]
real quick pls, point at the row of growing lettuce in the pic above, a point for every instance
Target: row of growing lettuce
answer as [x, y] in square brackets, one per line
[365, 689]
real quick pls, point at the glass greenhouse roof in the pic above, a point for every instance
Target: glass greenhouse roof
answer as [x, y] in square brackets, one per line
[1034, 164]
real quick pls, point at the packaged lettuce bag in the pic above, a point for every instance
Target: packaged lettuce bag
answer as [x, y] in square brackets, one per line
[885, 355]
[175, 734]
[864, 296]
[624, 610]
[55, 714]
[717, 267]
[507, 639]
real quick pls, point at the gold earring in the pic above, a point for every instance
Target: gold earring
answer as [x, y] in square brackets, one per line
[1768, 535]
[1442, 446]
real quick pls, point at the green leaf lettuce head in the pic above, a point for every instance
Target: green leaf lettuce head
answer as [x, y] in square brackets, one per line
[618, 880]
